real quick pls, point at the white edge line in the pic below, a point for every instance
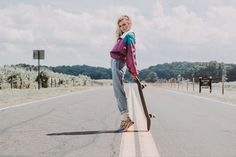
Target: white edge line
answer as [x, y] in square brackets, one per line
[47, 99]
[200, 97]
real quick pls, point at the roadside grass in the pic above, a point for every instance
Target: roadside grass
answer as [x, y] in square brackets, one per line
[229, 95]
[9, 97]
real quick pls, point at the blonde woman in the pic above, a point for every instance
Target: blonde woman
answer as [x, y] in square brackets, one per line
[123, 53]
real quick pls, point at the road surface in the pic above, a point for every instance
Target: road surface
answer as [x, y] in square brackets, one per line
[85, 124]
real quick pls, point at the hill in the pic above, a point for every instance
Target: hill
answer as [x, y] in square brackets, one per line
[166, 71]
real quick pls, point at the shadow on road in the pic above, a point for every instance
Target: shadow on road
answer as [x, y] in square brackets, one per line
[93, 132]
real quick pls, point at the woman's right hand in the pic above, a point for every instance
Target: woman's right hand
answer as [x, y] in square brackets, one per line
[134, 77]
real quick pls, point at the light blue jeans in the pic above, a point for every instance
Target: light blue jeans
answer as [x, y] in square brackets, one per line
[118, 71]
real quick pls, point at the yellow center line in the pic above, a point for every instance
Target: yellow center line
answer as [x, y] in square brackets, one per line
[145, 139]
[146, 142]
[127, 147]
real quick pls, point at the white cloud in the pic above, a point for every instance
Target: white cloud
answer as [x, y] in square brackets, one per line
[86, 38]
[60, 33]
[181, 34]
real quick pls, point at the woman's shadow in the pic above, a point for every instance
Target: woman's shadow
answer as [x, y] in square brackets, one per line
[94, 132]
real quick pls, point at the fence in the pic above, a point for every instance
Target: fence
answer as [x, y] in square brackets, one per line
[192, 86]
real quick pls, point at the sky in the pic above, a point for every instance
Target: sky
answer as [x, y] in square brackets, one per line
[76, 32]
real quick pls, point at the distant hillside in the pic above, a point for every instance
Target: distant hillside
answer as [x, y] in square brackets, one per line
[93, 72]
[183, 70]
[187, 70]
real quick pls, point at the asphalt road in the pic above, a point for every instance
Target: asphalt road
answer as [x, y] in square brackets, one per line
[85, 124]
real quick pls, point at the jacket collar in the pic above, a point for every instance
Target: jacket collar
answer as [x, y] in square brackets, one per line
[123, 35]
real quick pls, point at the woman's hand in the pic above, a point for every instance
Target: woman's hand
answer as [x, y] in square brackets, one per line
[134, 77]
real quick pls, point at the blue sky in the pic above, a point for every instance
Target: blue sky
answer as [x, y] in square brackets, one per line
[83, 32]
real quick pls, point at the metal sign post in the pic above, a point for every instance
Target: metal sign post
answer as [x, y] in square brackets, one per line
[38, 54]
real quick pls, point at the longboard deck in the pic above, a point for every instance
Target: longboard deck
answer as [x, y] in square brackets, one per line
[147, 115]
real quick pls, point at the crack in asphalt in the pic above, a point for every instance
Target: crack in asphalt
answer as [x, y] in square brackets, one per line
[25, 121]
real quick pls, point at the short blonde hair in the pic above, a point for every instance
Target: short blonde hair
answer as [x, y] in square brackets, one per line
[121, 18]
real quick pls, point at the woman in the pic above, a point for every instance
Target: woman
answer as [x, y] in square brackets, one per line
[123, 53]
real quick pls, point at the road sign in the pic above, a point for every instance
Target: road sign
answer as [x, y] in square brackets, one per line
[205, 82]
[38, 54]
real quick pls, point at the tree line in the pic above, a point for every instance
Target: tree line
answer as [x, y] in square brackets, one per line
[92, 72]
[166, 71]
[187, 70]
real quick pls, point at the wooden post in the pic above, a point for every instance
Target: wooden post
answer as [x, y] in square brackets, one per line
[223, 87]
[200, 79]
[193, 83]
[28, 81]
[21, 83]
[210, 79]
[187, 85]
[11, 82]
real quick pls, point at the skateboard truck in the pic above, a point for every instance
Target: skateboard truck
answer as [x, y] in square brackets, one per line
[152, 115]
[143, 85]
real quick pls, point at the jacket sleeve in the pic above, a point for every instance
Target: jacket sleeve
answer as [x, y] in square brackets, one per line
[131, 54]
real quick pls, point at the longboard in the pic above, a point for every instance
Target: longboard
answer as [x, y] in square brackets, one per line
[147, 115]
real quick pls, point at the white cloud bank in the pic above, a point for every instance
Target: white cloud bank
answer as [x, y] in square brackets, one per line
[86, 38]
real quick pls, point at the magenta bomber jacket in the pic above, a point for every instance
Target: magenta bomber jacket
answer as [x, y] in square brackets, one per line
[125, 50]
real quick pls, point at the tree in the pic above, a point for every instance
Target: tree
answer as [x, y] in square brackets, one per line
[231, 73]
[151, 77]
[44, 77]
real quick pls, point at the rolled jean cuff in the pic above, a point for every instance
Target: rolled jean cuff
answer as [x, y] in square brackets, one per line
[125, 111]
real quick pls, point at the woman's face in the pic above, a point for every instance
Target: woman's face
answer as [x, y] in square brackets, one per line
[124, 26]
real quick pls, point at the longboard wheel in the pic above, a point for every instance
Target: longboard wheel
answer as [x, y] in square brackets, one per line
[152, 115]
[143, 86]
